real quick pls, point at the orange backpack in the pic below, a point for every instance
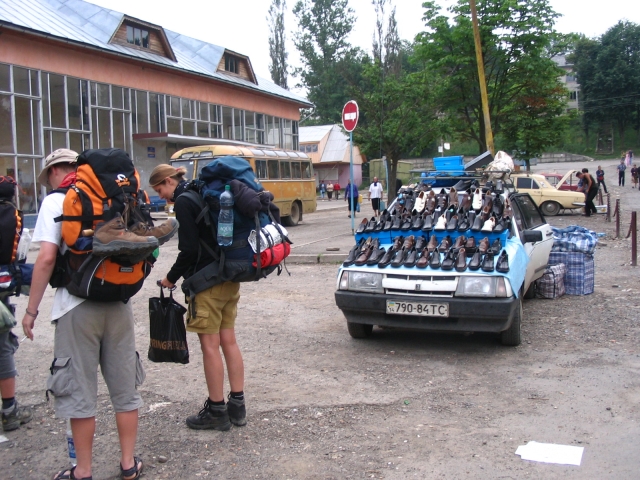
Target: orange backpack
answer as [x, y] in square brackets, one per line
[106, 184]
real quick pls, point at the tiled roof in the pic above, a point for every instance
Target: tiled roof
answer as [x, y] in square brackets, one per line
[85, 23]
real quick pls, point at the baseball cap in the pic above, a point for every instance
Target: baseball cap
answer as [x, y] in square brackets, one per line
[62, 155]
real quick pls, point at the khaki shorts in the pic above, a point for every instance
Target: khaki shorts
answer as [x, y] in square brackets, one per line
[95, 334]
[216, 309]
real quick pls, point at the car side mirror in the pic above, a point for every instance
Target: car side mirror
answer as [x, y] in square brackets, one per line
[531, 236]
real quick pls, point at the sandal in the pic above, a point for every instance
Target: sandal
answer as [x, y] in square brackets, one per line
[67, 474]
[132, 473]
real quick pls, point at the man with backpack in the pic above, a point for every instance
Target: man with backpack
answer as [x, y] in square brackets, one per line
[88, 334]
[212, 312]
[13, 415]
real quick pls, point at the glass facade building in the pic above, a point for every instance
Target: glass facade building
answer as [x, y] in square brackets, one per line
[42, 111]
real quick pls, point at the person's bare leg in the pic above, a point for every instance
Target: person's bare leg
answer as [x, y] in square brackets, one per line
[8, 387]
[127, 423]
[233, 359]
[213, 367]
[83, 430]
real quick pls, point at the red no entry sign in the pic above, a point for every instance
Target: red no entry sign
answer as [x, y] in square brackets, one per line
[350, 115]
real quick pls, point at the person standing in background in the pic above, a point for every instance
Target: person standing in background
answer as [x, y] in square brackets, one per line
[375, 195]
[351, 196]
[600, 178]
[330, 190]
[621, 168]
[634, 176]
[323, 189]
[590, 190]
[336, 189]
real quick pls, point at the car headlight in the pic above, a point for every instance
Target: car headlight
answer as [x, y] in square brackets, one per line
[361, 281]
[485, 286]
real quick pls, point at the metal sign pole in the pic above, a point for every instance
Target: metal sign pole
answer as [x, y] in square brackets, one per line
[352, 203]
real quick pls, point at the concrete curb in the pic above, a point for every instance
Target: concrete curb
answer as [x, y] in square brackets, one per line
[330, 258]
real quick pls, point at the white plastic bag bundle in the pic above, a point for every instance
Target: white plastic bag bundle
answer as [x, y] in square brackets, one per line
[502, 164]
[269, 237]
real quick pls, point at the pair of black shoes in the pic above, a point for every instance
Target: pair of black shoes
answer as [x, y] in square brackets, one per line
[486, 262]
[219, 417]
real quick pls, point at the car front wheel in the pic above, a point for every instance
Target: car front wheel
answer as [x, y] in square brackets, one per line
[359, 330]
[511, 337]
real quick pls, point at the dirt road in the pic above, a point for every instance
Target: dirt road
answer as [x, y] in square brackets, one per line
[398, 405]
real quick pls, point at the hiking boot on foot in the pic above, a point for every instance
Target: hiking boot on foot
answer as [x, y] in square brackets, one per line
[113, 238]
[237, 411]
[16, 417]
[162, 232]
[211, 417]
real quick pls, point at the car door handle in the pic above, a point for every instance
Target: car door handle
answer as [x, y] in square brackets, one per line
[549, 234]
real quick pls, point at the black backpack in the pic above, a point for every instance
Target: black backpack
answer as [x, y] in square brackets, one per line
[253, 209]
[11, 272]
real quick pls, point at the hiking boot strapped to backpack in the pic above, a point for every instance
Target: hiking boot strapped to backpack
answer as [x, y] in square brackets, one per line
[106, 199]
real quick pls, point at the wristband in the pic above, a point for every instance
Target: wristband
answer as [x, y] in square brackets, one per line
[34, 315]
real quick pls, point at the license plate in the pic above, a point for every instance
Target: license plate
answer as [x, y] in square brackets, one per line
[418, 308]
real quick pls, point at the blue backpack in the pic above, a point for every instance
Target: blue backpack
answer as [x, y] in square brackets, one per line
[253, 209]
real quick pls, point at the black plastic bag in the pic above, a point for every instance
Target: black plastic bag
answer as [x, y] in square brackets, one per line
[168, 341]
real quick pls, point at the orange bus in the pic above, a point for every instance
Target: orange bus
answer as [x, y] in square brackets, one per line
[287, 174]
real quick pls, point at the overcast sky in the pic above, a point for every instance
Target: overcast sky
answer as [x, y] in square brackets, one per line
[241, 25]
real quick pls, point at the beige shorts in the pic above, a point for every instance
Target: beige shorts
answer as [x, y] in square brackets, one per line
[216, 309]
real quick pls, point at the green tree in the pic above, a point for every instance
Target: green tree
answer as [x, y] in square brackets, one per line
[397, 114]
[517, 40]
[537, 117]
[277, 40]
[327, 57]
[608, 71]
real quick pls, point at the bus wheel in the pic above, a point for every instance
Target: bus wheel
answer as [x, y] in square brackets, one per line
[294, 218]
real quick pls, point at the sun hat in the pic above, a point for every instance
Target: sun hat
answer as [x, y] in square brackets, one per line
[62, 155]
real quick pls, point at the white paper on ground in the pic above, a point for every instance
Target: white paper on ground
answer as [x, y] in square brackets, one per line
[551, 453]
[3, 439]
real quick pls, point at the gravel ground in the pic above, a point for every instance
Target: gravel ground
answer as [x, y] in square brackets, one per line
[401, 404]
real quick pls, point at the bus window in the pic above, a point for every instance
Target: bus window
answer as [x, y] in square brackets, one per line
[306, 169]
[188, 164]
[285, 170]
[261, 168]
[295, 170]
[274, 169]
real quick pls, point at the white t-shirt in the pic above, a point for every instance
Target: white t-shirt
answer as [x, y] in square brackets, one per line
[375, 190]
[49, 231]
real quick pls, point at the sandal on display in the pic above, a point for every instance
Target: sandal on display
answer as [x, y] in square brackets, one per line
[134, 472]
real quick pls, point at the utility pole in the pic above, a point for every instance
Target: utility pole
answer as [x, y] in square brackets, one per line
[488, 134]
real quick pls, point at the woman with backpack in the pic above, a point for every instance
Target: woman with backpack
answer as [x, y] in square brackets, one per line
[215, 308]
